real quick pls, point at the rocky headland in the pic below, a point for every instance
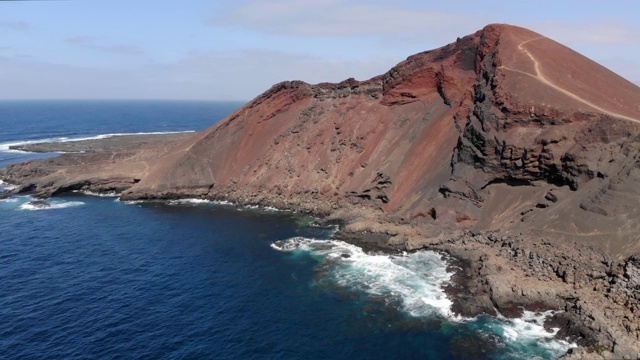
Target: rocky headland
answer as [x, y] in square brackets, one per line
[509, 151]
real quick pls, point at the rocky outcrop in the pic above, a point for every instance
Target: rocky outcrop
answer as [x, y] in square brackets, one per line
[503, 134]
[597, 298]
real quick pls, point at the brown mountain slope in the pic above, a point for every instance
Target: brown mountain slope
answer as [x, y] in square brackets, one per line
[469, 135]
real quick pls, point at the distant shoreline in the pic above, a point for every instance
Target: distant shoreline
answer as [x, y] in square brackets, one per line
[107, 143]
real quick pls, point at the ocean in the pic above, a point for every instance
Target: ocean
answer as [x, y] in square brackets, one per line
[94, 277]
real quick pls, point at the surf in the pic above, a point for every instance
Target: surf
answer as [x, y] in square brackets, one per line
[6, 146]
[413, 283]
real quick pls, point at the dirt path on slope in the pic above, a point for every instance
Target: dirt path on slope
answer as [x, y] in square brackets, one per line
[540, 77]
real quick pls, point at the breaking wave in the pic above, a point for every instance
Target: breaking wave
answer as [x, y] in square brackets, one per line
[415, 279]
[414, 283]
[197, 201]
[97, 194]
[4, 147]
[193, 201]
[263, 208]
[6, 186]
[56, 204]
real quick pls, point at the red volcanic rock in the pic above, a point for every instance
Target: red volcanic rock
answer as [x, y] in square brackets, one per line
[477, 132]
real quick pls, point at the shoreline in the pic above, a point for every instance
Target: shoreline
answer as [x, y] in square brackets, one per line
[466, 275]
[106, 142]
[457, 266]
[493, 271]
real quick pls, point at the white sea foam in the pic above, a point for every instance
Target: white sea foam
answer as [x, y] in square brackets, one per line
[188, 201]
[530, 325]
[106, 136]
[192, 201]
[263, 208]
[5, 146]
[197, 201]
[415, 281]
[98, 194]
[50, 205]
[128, 202]
[6, 186]
[529, 331]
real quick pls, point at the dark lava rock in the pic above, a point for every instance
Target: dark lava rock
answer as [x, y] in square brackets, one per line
[551, 197]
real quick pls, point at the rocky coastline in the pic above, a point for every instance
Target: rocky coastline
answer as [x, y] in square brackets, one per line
[597, 301]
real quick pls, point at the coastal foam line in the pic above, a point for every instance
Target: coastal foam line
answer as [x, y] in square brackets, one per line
[189, 201]
[6, 186]
[196, 201]
[30, 203]
[5, 146]
[415, 281]
[51, 206]
[97, 194]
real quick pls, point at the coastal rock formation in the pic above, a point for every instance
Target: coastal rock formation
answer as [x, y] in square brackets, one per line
[504, 148]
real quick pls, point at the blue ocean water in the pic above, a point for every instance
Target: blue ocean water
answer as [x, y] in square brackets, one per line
[93, 277]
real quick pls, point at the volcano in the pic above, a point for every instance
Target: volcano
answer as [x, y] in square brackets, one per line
[502, 129]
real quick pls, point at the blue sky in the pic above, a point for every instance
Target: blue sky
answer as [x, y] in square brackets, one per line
[234, 50]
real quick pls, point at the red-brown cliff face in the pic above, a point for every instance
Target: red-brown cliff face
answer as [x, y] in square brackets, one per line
[501, 127]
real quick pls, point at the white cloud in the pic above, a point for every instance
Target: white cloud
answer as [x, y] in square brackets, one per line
[88, 42]
[342, 18]
[243, 74]
[82, 41]
[629, 69]
[246, 74]
[30, 79]
[388, 20]
[14, 25]
[611, 43]
[599, 33]
[208, 75]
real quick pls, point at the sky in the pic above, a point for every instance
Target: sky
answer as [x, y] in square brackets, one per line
[235, 50]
